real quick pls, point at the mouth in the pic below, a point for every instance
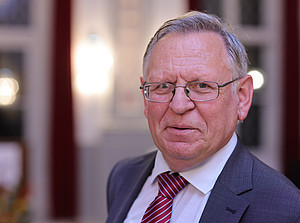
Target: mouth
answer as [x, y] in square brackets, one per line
[182, 127]
[180, 133]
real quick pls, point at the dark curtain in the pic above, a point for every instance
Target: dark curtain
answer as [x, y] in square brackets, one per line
[291, 142]
[63, 153]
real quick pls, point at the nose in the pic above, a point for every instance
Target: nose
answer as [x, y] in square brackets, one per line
[180, 102]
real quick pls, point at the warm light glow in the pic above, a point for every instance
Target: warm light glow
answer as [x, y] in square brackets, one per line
[258, 79]
[8, 90]
[92, 62]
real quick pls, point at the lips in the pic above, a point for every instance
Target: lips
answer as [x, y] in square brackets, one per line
[180, 130]
[180, 134]
[181, 127]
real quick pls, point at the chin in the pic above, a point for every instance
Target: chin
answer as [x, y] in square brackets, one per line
[184, 151]
[181, 152]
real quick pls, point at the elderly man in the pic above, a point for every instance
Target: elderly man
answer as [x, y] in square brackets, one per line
[196, 90]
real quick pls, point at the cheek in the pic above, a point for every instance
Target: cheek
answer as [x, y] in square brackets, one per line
[155, 112]
[227, 114]
[218, 115]
[155, 117]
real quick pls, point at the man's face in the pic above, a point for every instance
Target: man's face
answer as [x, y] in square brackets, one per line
[185, 131]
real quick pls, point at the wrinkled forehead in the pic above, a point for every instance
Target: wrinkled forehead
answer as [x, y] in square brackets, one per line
[187, 52]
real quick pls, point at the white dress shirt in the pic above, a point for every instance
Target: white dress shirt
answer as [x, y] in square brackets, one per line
[189, 204]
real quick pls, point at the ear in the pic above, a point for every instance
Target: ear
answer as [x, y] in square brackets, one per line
[145, 101]
[244, 92]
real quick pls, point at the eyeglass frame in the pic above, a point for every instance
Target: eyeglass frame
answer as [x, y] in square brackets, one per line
[142, 87]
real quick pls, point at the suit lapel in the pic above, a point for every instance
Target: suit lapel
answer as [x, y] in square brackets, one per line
[135, 177]
[224, 206]
[224, 203]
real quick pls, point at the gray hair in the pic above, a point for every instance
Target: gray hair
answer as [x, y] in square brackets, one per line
[198, 22]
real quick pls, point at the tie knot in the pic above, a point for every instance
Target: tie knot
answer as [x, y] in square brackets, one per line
[170, 184]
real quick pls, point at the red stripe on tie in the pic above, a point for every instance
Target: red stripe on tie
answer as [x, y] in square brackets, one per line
[160, 210]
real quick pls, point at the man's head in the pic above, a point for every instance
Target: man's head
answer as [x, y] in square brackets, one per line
[199, 22]
[195, 47]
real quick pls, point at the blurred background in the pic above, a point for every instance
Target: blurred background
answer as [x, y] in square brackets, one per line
[70, 106]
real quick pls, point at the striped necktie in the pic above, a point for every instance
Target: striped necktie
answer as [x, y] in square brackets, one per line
[160, 209]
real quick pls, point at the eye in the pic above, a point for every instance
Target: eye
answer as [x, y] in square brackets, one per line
[203, 85]
[164, 86]
[160, 87]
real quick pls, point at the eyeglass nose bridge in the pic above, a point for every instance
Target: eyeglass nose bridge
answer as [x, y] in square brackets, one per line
[186, 91]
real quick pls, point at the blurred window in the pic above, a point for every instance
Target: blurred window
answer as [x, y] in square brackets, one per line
[250, 12]
[14, 12]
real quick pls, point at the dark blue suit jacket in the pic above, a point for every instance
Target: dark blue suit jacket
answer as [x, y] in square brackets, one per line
[246, 191]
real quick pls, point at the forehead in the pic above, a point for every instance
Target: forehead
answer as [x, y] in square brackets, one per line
[188, 54]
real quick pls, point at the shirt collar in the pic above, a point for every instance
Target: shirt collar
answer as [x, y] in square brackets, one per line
[204, 175]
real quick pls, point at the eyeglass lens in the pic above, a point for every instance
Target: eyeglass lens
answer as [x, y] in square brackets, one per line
[197, 91]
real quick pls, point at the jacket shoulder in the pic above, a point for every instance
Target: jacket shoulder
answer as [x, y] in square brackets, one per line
[124, 165]
[127, 174]
[273, 196]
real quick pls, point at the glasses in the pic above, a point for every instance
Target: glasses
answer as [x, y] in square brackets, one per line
[196, 90]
